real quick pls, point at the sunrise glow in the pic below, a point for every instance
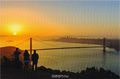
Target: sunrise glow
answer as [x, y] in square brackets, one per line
[15, 28]
[59, 19]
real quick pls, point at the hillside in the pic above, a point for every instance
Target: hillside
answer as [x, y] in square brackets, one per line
[8, 52]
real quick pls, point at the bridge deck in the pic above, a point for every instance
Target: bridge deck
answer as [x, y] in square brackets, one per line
[67, 48]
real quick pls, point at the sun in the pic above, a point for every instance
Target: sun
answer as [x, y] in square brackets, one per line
[14, 33]
[15, 28]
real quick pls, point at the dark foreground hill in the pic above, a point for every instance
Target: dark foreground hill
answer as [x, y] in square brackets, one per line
[11, 70]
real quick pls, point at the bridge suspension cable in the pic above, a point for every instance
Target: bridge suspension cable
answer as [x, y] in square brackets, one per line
[46, 43]
[67, 47]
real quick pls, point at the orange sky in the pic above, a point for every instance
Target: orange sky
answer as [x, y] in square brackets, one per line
[49, 19]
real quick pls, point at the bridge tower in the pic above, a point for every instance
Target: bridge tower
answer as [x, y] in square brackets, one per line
[104, 45]
[30, 49]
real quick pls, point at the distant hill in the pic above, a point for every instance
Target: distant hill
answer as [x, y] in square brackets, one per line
[8, 52]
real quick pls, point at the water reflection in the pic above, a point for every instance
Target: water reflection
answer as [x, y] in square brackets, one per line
[104, 55]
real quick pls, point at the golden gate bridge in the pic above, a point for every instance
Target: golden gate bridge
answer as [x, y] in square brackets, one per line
[62, 47]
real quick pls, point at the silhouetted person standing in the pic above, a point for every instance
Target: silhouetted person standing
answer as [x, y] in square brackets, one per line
[35, 58]
[16, 54]
[17, 62]
[26, 60]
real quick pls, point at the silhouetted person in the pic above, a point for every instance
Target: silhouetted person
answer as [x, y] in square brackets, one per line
[16, 54]
[35, 58]
[26, 60]
[17, 62]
